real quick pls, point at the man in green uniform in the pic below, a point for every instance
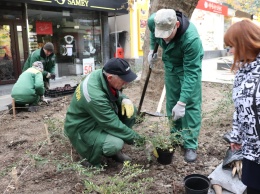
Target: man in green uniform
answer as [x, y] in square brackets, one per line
[29, 87]
[47, 57]
[182, 57]
[99, 119]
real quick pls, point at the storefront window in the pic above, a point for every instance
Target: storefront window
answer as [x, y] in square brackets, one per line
[76, 35]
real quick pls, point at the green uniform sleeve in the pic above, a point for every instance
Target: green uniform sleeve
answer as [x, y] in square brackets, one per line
[192, 68]
[39, 85]
[107, 119]
[49, 66]
[52, 68]
[35, 56]
[44, 73]
[27, 63]
[151, 26]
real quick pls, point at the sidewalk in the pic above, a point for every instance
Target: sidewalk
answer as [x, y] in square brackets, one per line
[5, 90]
[209, 74]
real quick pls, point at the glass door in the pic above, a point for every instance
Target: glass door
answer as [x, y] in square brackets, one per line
[11, 52]
[7, 72]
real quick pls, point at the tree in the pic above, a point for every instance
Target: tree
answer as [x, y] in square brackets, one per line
[156, 81]
[244, 5]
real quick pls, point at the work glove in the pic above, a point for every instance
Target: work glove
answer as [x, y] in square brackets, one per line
[178, 110]
[127, 108]
[152, 58]
[48, 75]
[43, 99]
[53, 76]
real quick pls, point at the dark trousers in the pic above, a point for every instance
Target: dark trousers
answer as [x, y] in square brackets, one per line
[252, 191]
[251, 176]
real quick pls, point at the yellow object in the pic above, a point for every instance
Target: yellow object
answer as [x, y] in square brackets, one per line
[155, 153]
[127, 108]
[237, 168]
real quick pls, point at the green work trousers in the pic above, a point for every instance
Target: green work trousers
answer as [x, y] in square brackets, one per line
[191, 122]
[113, 144]
[27, 99]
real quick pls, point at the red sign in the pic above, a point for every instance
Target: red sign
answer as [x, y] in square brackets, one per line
[212, 7]
[44, 28]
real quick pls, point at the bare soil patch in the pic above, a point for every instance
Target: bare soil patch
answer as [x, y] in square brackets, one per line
[52, 168]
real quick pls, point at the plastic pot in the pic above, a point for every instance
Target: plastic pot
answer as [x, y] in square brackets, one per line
[165, 156]
[196, 184]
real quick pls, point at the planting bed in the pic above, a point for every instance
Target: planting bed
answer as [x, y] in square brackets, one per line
[44, 165]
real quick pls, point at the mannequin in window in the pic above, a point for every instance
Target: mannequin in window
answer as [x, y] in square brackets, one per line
[89, 50]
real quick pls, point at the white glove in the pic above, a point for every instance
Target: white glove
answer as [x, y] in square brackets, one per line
[48, 75]
[43, 99]
[127, 108]
[152, 59]
[93, 51]
[178, 110]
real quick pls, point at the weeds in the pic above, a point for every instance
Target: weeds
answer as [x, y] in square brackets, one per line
[224, 107]
[127, 181]
[131, 178]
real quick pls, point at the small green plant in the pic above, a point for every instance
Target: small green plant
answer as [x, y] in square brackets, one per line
[167, 141]
[129, 180]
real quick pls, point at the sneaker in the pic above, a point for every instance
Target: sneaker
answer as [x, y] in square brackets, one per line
[190, 155]
[121, 157]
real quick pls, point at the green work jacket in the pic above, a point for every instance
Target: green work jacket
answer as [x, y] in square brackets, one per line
[48, 62]
[92, 114]
[28, 87]
[182, 55]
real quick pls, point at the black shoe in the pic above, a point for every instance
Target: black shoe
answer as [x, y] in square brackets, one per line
[190, 155]
[121, 157]
[33, 108]
[86, 164]
[10, 108]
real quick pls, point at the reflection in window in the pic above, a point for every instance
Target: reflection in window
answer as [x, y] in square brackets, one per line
[6, 62]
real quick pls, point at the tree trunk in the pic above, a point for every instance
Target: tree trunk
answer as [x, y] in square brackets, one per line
[156, 81]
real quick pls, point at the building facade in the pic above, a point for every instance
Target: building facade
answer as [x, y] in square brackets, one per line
[78, 30]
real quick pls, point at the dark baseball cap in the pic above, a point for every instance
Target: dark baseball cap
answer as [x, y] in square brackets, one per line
[120, 67]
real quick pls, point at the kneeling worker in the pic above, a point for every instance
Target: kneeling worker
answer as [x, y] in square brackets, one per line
[29, 87]
[100, 117]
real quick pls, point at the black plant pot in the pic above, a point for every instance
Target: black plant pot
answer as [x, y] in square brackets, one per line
[196, 184]
[165, 156]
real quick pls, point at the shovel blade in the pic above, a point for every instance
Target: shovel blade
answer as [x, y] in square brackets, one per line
[156, 114]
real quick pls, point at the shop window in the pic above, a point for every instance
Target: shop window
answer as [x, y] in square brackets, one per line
[76, 34]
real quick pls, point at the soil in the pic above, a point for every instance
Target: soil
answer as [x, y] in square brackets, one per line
[32, 163]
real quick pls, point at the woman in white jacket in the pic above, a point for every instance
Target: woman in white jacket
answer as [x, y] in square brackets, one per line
[244, 39]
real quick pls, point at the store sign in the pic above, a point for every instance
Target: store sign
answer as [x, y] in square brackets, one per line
[88, 65]
[43, 28]
[142, 23]
[212, 7]
[118, 6]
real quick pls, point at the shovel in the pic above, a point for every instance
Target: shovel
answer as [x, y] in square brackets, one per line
[159, 107]
[157, 114]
